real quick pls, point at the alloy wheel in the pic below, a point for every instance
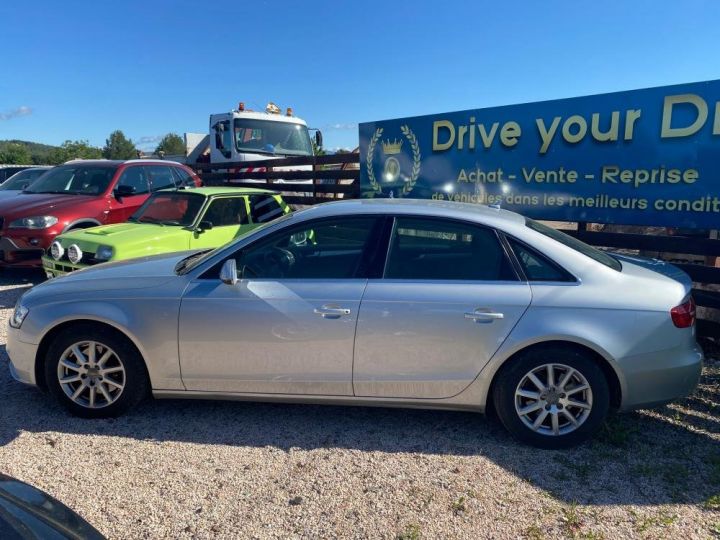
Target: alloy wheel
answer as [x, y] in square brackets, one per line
[91, 374]
[553, 399]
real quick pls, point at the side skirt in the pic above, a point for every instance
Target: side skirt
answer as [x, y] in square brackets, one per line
[322, 400]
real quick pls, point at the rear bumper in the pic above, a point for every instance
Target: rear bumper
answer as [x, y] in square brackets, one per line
[658, 378]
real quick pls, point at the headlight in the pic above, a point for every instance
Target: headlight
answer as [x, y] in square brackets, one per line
[35, 222]
[74, 253]
[18, 315]
[104, 253]
[56, 250]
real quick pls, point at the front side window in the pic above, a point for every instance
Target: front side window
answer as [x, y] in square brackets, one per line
[271, 137]
[135, 178]
[74, 180]
[329, 249]
[264, 208]
[223, 138]
[436, 249]
[227, 211]
[171, 208]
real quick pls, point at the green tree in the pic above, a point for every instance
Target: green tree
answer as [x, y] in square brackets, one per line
[117, 146]
[172, 144]
[317, 150]
[73, 150]
[15, 154]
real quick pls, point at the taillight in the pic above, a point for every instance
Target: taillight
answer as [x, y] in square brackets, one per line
[683, 316]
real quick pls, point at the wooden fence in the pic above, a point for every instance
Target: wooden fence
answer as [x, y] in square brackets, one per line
[332, 177]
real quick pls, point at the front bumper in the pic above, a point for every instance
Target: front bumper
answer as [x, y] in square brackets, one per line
[663, 376]
[22, 357]
[21, 252]
[55, 268]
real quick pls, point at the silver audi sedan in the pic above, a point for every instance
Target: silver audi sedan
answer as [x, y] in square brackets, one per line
[388, 302]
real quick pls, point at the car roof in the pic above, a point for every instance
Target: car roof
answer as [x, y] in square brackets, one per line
[121, 161]
[224, 190]
[423, 207]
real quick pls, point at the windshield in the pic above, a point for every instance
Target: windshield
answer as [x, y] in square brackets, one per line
[271, 137]
[19, 180]
[574, 243]
[170, 208]
[188, 263]
[74, 180]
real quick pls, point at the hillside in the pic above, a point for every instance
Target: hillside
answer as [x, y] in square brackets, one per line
[39, 153]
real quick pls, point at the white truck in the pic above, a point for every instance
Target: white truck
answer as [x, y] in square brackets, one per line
[245, 135]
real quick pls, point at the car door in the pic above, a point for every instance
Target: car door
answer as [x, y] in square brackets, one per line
[288, 325]
[122, 207]
[448, 298]
[224, 219]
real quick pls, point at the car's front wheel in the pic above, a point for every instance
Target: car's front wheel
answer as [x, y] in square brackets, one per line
[551, 397]
[95, 372]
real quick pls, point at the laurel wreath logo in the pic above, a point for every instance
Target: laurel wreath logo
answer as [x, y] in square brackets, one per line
[417, 157]
[409, 185]
[369, 159]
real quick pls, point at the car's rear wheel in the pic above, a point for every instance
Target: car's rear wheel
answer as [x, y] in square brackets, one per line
[551, 397]
[95, 372]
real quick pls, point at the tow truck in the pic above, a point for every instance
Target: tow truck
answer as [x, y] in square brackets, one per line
[246, 135]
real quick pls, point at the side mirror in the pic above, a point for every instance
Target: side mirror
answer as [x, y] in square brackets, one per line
[124, 190]
[228, 272]
[318, 138]
[204, 226]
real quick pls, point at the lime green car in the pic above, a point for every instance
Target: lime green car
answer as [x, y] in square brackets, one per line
[169, 221]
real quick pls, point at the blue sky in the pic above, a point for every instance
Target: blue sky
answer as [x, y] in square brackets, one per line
[78, 70]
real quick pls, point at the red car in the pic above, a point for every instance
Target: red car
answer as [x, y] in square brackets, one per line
[78, 195]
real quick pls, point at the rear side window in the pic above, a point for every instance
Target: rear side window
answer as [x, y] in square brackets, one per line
[264, 208]
[536, 266]
[161, 177]
[574, 243]
[183, 177]
[436, 249]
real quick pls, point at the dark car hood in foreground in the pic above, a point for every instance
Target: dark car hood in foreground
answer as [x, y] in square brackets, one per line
[26, 512]
[9, 193]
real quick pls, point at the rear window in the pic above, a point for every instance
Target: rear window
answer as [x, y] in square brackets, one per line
[574, 243]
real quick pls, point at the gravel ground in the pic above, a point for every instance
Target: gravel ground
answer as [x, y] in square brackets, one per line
[212, 469]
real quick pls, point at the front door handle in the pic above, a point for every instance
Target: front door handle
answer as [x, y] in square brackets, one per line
[331, 312]
[483, 316]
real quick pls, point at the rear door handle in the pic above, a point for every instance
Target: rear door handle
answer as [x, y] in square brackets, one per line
[331, 312]
[483, 316]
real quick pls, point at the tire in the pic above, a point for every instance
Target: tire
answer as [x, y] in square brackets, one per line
[117, 377]
[520, 402]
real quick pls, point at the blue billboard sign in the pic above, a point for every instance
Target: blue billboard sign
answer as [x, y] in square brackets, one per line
[640, 157]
